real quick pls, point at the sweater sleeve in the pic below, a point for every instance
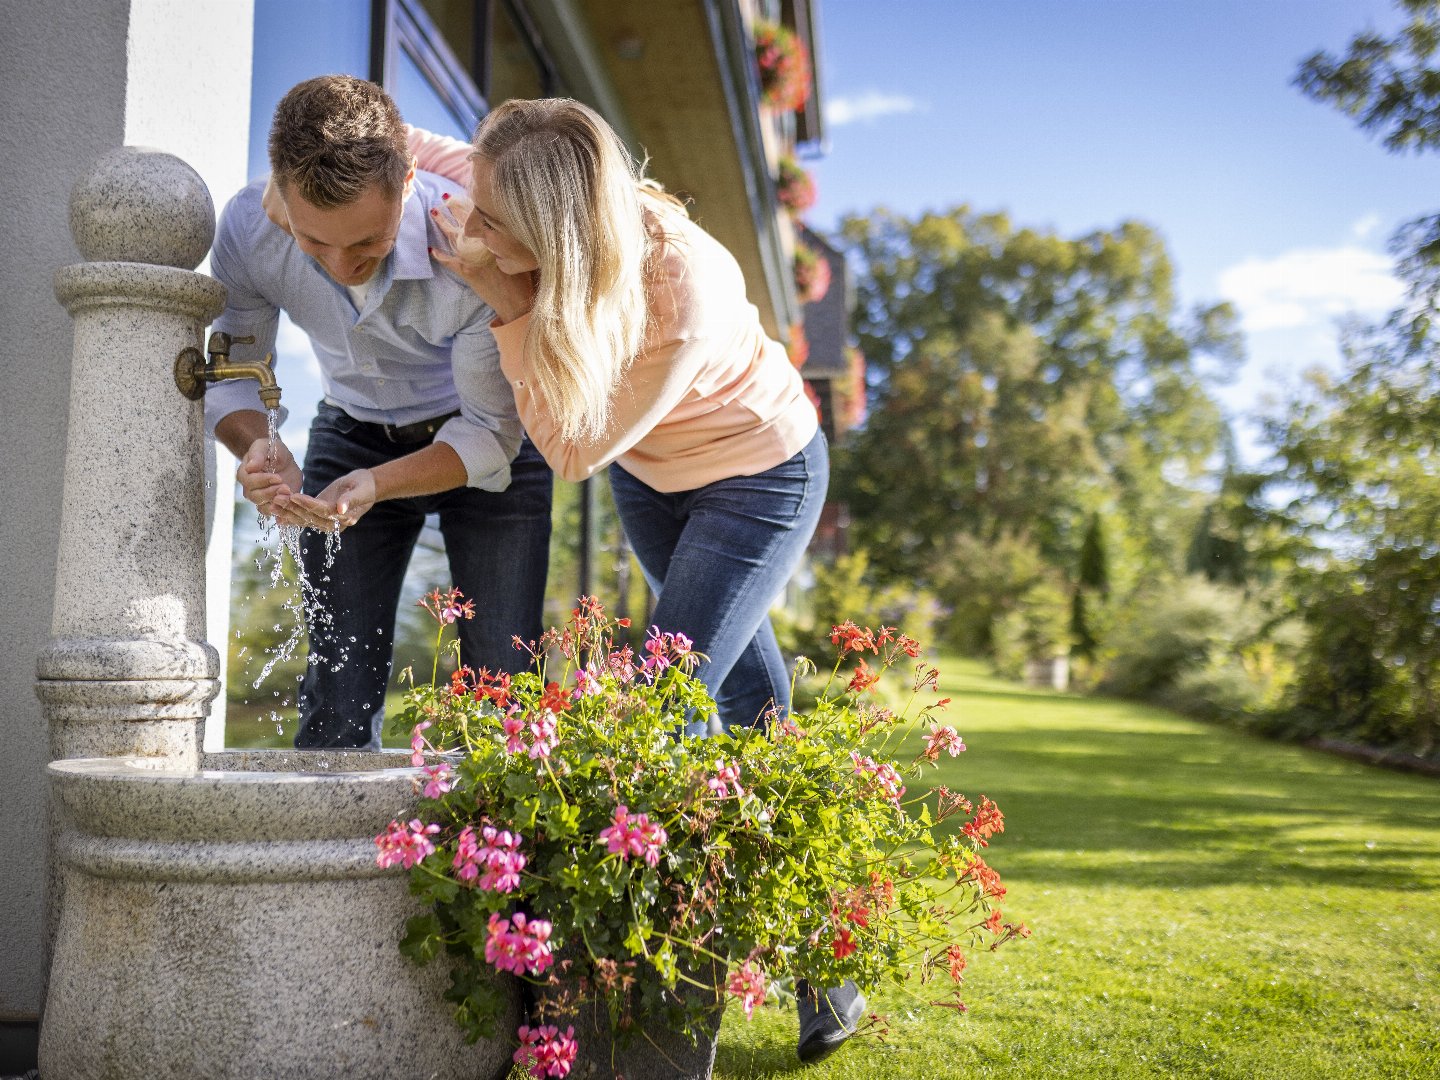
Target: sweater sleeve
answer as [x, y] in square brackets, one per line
[440, 154]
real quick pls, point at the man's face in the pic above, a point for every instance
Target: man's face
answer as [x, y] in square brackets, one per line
[349, 241]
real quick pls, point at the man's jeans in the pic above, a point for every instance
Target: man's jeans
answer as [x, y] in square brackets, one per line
[716, 558]
[498, 546]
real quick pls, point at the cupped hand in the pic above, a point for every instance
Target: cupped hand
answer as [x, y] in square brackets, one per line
[339, 506]
[267, 483]
[509, 295]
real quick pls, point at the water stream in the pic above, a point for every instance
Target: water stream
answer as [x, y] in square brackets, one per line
[304, 605]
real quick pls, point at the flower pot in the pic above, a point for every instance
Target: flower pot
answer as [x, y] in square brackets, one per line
[651, 1049]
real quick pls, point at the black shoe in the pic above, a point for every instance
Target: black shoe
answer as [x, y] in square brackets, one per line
[827, 1019]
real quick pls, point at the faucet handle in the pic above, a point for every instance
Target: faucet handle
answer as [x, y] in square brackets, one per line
[220, 342]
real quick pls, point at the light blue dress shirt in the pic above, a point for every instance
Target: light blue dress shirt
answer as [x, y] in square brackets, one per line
[420, 348]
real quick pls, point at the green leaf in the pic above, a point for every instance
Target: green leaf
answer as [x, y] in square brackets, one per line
[423, 940]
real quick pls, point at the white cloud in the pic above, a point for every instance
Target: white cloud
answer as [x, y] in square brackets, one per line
[1365, 227]
[870, 105]
[1311, 287]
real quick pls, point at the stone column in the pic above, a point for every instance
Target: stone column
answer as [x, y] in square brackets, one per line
[128, 670]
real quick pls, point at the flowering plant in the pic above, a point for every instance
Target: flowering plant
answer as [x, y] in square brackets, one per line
[812, 274]
[794, 186]
[576, 837]
[784, 64]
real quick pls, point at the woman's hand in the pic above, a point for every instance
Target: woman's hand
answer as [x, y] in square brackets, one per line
[336, 508]
[509, 295]
[274, 206]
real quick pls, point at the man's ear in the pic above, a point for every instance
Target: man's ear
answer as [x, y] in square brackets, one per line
[409, 179]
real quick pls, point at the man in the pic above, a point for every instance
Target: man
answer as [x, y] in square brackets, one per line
[416, 418]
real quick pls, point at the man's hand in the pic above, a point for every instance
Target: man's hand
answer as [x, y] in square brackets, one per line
[339, 506]
[269, 488]
[509, 295]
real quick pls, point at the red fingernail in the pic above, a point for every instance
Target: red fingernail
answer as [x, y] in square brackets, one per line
[446, 195]
[434, 213]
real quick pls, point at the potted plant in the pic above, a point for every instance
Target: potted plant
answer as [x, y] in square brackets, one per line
[784, 65]
[794, 186]
[639, 878]
[812, 274]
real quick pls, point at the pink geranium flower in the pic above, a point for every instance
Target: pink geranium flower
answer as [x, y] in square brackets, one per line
[942, 738]
[438, 780]
[419, 744]
[518, 944]
[747, 982]
[637, 836]
[546, 1050]
[405, 844]
[514, 729]
[493, 857]
[726, 782]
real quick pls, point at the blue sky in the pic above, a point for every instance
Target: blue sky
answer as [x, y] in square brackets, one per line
[1078, 114]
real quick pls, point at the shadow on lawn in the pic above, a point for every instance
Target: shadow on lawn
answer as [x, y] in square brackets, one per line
[745, 1061]
[1195, 808]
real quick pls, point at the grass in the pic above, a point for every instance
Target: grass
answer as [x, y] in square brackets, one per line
[1203, 903]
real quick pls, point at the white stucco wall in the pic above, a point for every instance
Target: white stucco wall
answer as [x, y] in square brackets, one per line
[78, 77]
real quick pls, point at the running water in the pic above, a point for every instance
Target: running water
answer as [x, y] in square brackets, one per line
[305, 605]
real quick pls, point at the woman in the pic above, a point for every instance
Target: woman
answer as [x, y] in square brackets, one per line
[627, 338]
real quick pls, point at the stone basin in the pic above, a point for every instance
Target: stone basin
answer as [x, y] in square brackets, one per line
[231, 921]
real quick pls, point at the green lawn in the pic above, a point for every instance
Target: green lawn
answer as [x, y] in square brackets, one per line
[1203, 904]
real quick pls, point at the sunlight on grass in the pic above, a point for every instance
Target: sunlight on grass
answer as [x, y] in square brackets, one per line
[1203, 904]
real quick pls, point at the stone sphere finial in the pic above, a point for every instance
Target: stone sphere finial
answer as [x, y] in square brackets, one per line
[135, 204]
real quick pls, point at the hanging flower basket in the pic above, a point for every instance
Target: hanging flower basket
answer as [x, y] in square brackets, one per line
[794, 186]
[799, 348]
[784, 67]
[812, 274]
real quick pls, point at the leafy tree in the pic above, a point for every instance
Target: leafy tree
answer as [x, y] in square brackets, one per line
[1362, 449]
[1363, 455]
[1021, 383]
[1391, 86]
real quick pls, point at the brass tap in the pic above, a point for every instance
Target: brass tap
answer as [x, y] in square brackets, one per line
[193, 371]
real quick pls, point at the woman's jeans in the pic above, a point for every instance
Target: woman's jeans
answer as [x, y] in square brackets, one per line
[717, 558]
[498, 547]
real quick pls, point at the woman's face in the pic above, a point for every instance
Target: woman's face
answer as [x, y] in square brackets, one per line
[511, 255]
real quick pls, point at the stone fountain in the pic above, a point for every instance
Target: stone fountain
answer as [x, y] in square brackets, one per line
[214, 915]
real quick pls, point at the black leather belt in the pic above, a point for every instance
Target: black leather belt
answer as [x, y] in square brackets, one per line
[418, 432]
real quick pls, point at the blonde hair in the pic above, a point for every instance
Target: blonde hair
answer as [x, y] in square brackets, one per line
[568, 190]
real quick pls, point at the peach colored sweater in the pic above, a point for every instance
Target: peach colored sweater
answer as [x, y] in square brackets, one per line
[710, 395]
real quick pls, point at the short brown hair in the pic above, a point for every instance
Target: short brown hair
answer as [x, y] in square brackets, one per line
[335, 136]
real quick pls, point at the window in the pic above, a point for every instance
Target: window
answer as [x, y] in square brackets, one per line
[447, 61]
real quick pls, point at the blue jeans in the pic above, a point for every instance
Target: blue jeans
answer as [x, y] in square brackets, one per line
[717, 558]
[498, 546]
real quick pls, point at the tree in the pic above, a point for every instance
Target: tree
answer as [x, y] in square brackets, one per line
[1363, 455]
[1391, 86]
[1363, 450]
[1023, 382]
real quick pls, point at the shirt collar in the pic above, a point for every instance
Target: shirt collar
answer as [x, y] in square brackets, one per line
[411, 257]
